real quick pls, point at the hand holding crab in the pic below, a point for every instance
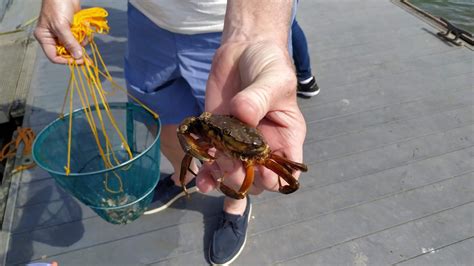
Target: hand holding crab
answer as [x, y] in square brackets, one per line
[259, 90]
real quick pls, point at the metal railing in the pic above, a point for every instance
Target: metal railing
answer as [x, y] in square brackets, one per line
[452, 34]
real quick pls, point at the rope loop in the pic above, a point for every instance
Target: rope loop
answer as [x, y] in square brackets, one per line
[85, 24]
[25, 136]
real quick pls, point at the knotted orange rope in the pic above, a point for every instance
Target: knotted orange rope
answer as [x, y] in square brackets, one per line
[85, 23]
[85, 81]
[24, 136]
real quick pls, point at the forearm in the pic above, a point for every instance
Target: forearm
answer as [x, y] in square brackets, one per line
[257, 20]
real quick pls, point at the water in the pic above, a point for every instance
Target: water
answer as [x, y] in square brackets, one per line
[458, 12]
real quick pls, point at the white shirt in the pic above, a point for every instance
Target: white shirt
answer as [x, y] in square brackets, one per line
[184, 16]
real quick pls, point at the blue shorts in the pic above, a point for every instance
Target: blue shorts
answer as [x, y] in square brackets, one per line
[165, 70]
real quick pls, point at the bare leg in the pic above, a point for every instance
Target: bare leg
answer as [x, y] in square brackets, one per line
[174, 153]
[234, 206]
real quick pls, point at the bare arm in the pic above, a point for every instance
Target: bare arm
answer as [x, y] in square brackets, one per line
[257, 20]
[253, 78]
[254, 40]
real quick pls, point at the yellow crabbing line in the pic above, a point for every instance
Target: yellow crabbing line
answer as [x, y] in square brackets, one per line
[85, 82]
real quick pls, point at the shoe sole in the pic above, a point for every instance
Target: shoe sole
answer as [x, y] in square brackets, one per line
[308, 94]
[182, 194]
[240, 250]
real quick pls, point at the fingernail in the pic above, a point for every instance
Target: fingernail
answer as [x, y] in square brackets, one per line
[77, 54]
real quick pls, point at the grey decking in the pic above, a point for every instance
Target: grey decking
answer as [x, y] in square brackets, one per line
[390, 148]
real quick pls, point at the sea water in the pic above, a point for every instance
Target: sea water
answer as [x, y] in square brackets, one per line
[458, 12]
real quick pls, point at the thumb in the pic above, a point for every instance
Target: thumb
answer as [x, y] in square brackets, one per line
[262, 96]
[66, 38]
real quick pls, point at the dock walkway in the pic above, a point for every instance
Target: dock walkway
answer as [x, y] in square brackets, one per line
[389, 146]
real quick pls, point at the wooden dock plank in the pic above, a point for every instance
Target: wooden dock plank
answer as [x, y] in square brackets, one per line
[458, 253]
[353, 223]
[422, 237]
[96, 234]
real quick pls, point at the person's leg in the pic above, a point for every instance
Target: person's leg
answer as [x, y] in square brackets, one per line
[165, 102]
[307, 85]
[172, 150]
[152, 76]
[300, 52]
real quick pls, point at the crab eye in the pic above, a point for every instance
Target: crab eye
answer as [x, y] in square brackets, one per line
[183, 128]
[226, 131]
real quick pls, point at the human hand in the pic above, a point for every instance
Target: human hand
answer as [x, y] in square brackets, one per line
[53, 28]
[256, 83]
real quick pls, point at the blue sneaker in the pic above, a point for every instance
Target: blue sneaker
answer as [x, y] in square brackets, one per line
[229, 239]
[166, 192]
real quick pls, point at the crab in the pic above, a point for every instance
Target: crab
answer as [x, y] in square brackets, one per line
[225, 133]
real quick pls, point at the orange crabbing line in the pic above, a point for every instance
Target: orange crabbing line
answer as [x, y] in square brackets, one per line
[25, 136]
[85, 23]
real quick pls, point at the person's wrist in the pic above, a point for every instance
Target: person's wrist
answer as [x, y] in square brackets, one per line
[257, 21]
[239, 35]
[75, 4]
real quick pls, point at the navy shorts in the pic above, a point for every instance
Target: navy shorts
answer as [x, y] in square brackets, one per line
[168, 71]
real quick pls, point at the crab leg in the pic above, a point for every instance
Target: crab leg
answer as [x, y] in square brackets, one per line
[191, 146]
[248, 181]
[188, 158]
[192, 149]
[288, 163]
[282, 172]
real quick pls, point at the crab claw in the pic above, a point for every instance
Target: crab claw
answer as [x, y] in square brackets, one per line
[191, 146]
[284, 168]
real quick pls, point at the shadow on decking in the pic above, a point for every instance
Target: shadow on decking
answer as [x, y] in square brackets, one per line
[53, 237]
[39, 215]
[59, 226]
[434, 34]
